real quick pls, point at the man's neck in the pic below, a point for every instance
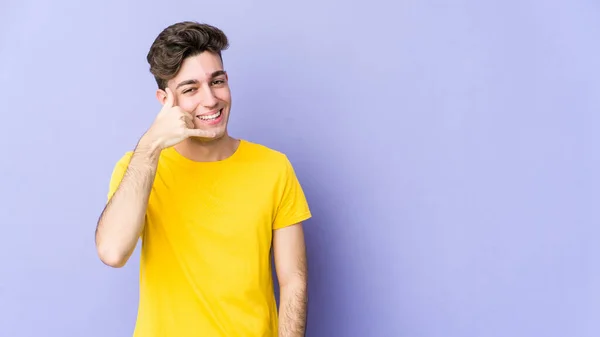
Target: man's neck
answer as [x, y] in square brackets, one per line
[202, 151]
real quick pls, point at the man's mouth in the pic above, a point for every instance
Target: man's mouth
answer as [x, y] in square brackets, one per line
[211, 117]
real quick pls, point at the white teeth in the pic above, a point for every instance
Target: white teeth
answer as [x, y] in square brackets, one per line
[209, 117]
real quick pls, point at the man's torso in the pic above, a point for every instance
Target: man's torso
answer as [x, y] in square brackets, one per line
[205, 266]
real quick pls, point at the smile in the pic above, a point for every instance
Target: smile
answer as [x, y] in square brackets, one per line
[211, 117]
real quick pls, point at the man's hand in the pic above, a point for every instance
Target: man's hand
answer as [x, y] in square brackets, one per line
[172, 126]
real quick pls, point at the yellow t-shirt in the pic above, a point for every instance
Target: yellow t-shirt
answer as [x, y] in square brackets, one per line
[205, 267]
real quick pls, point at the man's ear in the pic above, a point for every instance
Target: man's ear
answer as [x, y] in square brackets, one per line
[161, 96]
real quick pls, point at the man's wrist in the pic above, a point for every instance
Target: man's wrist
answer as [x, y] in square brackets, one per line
[147, 148]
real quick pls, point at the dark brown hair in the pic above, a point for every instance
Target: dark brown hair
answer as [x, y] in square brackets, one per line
[180, 41]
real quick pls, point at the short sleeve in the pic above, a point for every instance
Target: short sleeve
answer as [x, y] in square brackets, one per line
[118, 174]
[293, 206]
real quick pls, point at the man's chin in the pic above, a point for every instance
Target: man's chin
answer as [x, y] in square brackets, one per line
[220, 134]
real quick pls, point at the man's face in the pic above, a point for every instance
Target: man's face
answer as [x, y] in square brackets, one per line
[201, 88]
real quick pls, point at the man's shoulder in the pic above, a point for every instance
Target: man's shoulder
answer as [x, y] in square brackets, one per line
[125, 158]
[264, 153]
[121, 161]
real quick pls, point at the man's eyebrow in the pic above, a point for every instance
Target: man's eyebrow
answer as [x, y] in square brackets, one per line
[213, 75]
[217, 73]
[186, 82]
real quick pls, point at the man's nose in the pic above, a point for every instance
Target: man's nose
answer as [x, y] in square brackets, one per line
[208, 98]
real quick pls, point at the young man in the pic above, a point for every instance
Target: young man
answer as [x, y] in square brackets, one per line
[209, 208]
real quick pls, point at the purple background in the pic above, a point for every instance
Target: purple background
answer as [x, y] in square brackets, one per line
[449, 151]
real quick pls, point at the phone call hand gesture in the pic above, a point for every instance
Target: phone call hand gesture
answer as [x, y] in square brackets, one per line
[173, 125]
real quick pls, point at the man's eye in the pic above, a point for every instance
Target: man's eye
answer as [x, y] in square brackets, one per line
[188, 90]
[217, 82]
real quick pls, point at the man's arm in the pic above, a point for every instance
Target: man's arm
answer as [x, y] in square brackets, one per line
[292, 273]
[122, 220]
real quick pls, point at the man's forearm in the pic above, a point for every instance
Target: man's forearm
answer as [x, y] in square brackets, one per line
[293, 301]
[122, 220]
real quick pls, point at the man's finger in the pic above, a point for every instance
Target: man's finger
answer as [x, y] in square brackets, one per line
[168, 101]
[201, 133]
[187, 118]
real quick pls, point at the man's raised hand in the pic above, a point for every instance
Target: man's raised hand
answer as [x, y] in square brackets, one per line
[172, 125]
